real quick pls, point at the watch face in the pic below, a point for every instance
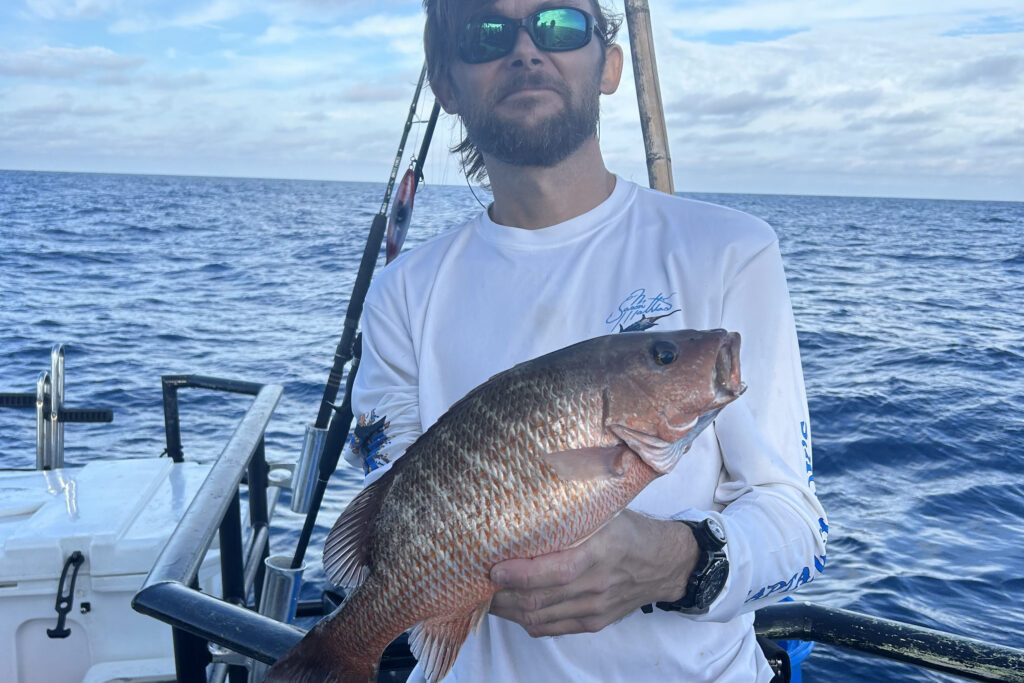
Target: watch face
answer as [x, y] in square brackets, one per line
[712, 583]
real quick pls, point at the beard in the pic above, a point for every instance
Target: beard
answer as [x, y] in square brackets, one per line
[546, 142]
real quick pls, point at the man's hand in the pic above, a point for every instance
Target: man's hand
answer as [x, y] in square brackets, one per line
[631, 561]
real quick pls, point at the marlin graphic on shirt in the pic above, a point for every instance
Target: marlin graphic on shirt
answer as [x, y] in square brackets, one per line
[646, 322]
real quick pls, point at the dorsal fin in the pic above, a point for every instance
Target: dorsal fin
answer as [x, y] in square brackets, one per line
[347, 551]
[436, 642]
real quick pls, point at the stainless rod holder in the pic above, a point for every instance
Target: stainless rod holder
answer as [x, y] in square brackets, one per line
[278, 600]
[307, 469]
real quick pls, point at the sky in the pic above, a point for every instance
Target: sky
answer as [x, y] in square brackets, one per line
[907, 98]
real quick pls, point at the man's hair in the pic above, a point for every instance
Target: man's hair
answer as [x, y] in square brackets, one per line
[444, 17]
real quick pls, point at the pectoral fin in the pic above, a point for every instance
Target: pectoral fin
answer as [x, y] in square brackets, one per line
[590, 464]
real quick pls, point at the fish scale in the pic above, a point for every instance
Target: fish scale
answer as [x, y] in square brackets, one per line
[533, 461]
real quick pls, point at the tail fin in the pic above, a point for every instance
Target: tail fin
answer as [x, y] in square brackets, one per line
[316, 659]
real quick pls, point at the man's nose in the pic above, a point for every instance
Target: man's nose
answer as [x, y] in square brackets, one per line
[525, 51]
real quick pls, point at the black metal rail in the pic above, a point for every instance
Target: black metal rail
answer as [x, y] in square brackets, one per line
[917, 645]
[170, 592]
[171, 385]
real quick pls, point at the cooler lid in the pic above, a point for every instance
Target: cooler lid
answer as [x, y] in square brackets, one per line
[118, 513]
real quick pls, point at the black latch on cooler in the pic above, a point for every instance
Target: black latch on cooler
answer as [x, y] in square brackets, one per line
[64, 603]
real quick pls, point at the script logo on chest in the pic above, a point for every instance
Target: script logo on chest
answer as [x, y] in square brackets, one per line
[640, 310]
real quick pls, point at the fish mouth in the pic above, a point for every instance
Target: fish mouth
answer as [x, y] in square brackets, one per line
[725, 376]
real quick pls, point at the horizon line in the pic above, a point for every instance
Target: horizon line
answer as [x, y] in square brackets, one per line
[376, 182]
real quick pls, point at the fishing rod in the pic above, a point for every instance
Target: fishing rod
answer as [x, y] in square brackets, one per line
[342, 355]
[347, 349]
[401, 212]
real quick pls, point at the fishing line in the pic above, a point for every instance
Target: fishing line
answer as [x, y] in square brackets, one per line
[462, 136]
[470, 186]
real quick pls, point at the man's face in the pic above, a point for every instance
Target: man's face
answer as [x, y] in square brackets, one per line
[530, 107]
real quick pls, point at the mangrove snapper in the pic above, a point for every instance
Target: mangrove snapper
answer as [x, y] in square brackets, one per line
[535, 460]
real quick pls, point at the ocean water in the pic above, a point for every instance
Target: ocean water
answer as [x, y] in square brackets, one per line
[910, 315]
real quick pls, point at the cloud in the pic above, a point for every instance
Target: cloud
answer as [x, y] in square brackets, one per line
[1014, 138]
[733, 37]
[63, 106]
[907, 118]
[365, 92]
[852, 98]
[733, 109]
[765, 17]
[210, 13]
[205, 14]
[179, 81]
[63, 62]
[384, 26]
[992, 71]
[989, 26]
[70, 9]
[276, 34]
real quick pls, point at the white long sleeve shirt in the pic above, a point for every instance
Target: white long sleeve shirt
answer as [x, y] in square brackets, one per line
[482, 297]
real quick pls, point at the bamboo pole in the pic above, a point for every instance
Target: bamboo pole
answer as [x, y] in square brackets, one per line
[648, 96]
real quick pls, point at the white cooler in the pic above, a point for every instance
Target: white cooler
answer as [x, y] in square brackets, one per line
[118, 514]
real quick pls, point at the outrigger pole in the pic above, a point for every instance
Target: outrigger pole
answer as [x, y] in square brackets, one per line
[648, 96]
[347, 350]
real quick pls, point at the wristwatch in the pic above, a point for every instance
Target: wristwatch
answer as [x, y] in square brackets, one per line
[708, 577]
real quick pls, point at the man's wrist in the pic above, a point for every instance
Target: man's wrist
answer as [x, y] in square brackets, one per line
[703, 568]
[687, 556]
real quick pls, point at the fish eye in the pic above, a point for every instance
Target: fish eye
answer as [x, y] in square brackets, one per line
[664, 352]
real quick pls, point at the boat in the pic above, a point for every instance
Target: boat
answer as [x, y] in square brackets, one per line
[158, 569]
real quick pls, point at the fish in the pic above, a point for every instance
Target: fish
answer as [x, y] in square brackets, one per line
[534, 460]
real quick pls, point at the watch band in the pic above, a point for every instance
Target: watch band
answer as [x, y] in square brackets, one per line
[709, 575]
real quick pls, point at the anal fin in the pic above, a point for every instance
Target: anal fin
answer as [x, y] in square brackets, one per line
[436, 642]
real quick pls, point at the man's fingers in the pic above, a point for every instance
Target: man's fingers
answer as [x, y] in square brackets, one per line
[511, 601]
[567, 626]
[582, 615]
[550, 612]
[546, 571]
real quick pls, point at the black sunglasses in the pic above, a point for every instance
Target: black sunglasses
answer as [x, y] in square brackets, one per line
[556, 29]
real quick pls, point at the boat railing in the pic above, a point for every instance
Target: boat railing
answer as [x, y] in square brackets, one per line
[170, 592]
[924, 647]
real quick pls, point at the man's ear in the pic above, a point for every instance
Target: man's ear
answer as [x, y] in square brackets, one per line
[445, 94]
[612, 69]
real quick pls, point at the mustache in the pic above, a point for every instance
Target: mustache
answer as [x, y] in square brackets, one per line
[530, 79]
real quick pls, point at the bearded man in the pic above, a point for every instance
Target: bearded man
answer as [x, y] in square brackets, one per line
[568, 251]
